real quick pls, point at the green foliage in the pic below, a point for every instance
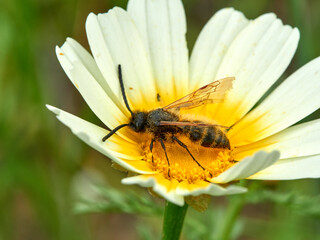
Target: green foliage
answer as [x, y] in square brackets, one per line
[300, 204]
[111, 200]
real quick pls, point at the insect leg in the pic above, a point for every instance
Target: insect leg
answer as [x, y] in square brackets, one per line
[151, 147]
[185, 147]
[165, 152]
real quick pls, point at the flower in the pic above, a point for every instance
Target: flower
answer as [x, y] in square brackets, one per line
[148, 40]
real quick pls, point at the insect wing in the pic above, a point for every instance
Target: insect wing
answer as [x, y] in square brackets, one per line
[211, 93]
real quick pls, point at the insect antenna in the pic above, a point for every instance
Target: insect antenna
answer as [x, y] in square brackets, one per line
[126, 103]
[114, 131]
[123, 91]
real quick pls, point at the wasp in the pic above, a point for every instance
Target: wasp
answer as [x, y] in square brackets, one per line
[167, 123]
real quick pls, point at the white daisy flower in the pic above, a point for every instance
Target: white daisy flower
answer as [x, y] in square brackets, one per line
[148, 40]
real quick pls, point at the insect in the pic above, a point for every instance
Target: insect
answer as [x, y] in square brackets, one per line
[165, 124]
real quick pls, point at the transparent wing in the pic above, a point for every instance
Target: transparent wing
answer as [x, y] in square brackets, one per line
[211, 93]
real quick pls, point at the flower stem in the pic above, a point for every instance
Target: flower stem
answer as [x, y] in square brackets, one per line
[173, 221]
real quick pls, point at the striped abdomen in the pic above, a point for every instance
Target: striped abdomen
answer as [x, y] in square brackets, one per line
[212, 136]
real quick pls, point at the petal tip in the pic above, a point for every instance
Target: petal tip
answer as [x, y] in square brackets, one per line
[296, 31]
[91, 17]
[53, 109]
[70, 40]
[59, 51]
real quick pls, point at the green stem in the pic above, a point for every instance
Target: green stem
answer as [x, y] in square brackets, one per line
[173, 221]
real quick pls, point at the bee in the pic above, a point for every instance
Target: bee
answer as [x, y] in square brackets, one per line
[165, 124]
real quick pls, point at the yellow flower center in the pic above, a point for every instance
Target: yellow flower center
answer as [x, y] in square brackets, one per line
[208, 163]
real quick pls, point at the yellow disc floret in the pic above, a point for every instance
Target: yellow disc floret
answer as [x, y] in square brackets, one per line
[181, 166]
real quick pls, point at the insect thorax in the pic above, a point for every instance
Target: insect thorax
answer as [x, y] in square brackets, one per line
[150, 121]
[156, 116]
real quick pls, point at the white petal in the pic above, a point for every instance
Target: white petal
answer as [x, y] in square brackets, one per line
[292, 168]
[114, 39]
[92, 92]
[162, 25]
[248, 166]
[152, 181]
[212, 44]
[101, 54]
[92, 135]
[70, 52]
[96, 98]
[65, 62]
[256, 58]
[186, 189]
[297, 141]
[294, 99]
[75, 52]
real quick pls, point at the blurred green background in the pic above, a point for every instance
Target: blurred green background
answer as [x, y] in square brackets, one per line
[52, 185]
